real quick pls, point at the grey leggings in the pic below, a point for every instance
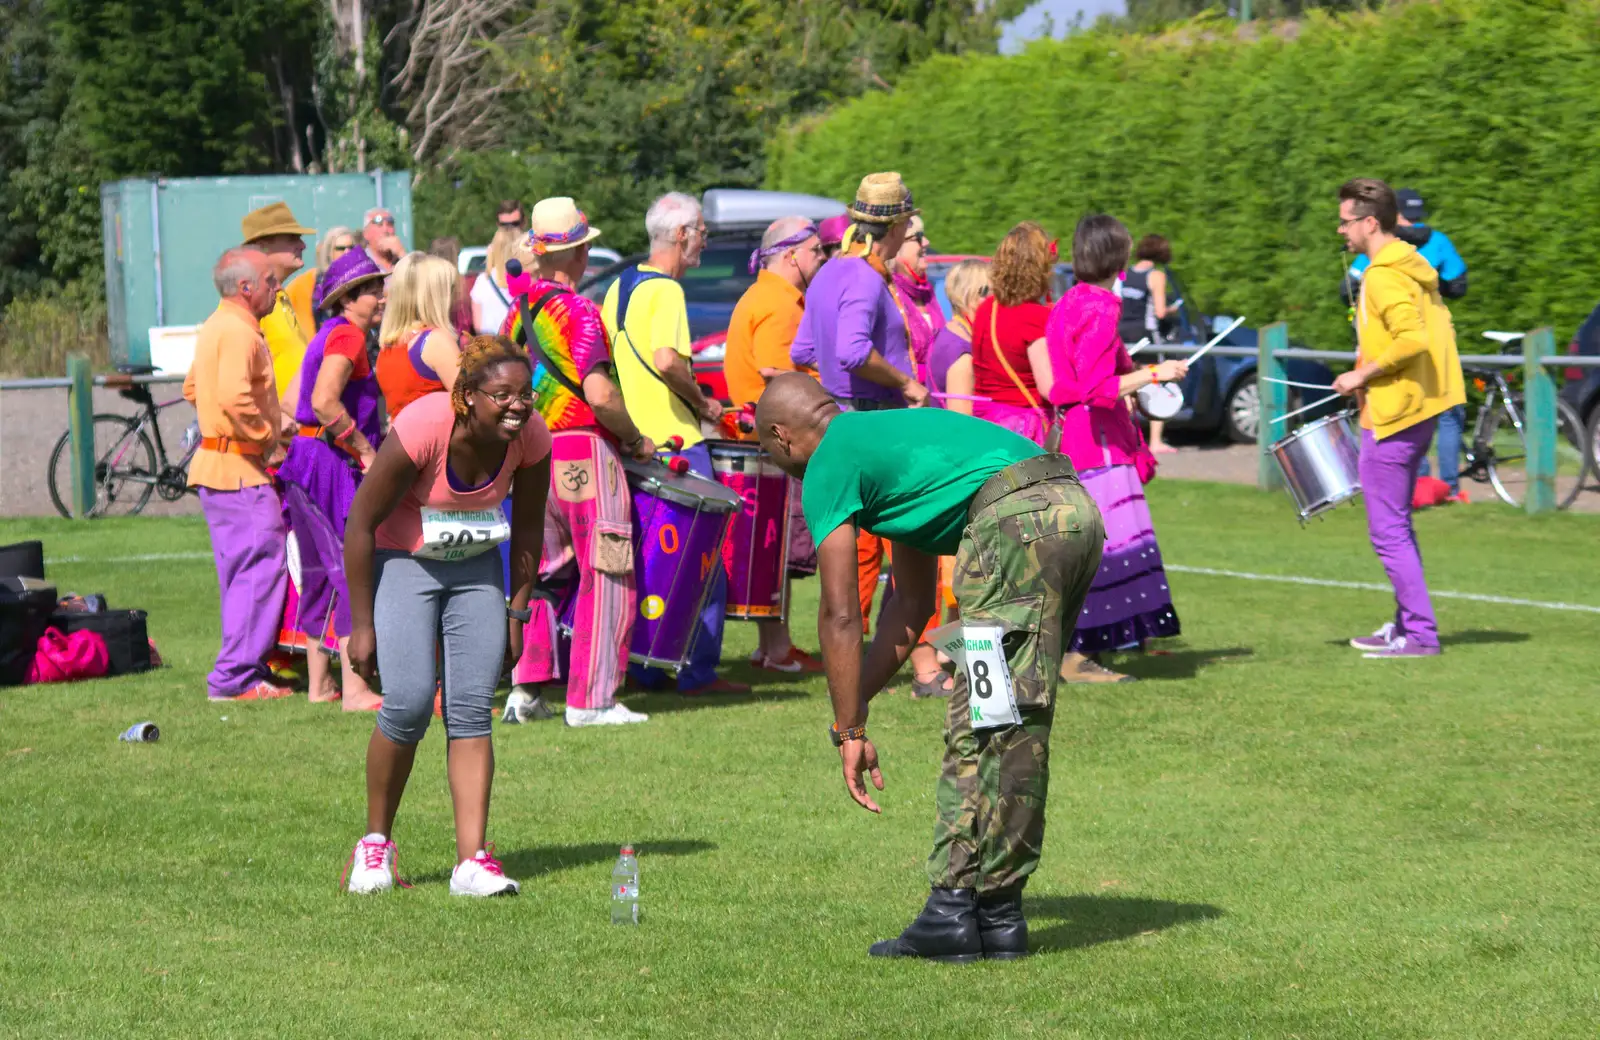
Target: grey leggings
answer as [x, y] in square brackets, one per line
[417, 603]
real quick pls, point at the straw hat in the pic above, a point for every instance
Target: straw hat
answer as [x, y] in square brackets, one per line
[274, 219]
[558, 224]
[883, 198]
[352, 269]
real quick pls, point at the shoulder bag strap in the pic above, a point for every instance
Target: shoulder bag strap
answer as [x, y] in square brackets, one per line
[531, 341]
[624, 294]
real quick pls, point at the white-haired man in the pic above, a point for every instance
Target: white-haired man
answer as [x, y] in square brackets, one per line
[648, 321]
[235, 399]
[760, 334]
[383, 243]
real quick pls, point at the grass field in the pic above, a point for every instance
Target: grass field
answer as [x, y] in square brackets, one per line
[1268, 837]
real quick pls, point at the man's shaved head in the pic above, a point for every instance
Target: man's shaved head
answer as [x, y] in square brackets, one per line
[790, 418]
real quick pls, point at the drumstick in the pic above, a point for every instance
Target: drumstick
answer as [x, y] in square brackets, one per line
[1197, 355]
[1138, 346]
[1297, 411]
[961, 397]
[1303, 386]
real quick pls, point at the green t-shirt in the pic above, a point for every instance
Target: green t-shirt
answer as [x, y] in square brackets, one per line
[906, 474]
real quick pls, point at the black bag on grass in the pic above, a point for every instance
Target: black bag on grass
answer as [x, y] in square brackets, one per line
[123, 630]
[25, 608]
[24, 559]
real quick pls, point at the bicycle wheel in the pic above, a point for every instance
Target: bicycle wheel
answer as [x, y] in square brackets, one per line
[1508, 452]
[124, 468]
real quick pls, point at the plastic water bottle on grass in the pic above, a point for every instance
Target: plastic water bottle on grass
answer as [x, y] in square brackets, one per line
[625, 888]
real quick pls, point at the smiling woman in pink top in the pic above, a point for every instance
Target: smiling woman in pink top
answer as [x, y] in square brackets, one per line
[1083, 370]
[423, 570]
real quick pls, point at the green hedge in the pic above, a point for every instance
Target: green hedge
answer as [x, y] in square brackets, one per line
[1234, 147]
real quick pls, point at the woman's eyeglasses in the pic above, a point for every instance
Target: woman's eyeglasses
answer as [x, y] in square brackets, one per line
[505, 397]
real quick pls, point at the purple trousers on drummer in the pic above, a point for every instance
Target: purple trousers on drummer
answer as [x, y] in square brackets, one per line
[247, 540]
[1388, 471]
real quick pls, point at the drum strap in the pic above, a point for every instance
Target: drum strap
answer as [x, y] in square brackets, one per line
[531, 340]
[1052, 437]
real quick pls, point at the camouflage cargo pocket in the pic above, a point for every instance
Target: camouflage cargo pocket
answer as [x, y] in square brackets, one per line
[1031, 683]
[613, 547]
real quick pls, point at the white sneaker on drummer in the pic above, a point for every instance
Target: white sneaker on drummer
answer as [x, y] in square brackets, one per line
[481, 876]
[616, 715]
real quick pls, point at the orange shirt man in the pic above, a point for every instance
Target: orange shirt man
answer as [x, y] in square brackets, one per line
[235, 396]
[759, 335]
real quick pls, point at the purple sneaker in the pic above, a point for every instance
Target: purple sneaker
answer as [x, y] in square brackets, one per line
[1379, 640]
[1401, 647]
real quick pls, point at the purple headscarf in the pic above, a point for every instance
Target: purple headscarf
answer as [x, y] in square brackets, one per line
[760, 256]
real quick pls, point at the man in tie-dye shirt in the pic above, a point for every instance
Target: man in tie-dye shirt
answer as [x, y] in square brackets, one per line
[588, 516]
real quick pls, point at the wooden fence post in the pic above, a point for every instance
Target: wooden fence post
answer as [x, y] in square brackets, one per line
[1274, 399]
[80, 421]
[1539, 420]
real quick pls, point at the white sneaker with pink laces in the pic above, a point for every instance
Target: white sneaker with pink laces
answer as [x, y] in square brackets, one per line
[481, 876]
[371, 867]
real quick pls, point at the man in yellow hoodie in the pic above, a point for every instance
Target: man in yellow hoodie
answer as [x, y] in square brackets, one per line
[1407, 372]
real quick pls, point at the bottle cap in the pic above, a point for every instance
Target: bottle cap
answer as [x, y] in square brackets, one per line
[627, 850]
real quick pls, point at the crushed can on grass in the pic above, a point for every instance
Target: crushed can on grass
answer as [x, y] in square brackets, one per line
[141, 733]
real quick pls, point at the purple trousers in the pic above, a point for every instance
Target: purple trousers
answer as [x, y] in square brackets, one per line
[247, 540]
[1388, 471]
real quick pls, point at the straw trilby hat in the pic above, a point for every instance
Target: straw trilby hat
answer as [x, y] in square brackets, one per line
[557, 224]
[274, 219]
[883, 198]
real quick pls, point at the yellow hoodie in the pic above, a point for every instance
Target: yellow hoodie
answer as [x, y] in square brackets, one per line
[1404, 328]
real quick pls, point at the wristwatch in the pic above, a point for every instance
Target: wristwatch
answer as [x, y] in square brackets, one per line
[523, 616]
[839, 736]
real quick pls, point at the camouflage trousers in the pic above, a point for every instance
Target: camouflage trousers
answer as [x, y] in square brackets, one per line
[1026, 560]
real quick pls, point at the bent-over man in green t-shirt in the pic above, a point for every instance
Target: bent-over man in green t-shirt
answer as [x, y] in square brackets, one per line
[1027, 540]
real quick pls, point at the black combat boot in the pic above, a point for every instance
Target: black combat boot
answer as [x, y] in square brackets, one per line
[946, 930]
[1001, 927]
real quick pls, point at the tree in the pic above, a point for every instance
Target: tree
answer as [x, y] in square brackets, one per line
[1144, 15]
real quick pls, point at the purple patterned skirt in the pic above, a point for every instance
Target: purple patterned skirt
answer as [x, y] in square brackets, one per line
[1129, 600]
[319, 483]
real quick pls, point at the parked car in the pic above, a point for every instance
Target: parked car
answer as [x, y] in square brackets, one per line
[1581, 386]
[1220, 393]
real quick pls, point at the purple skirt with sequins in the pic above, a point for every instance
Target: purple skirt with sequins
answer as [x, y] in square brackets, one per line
[1129, 601]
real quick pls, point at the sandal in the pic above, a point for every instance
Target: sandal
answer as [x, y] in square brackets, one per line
[935, 687]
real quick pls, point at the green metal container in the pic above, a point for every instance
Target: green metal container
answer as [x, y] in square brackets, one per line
[162, 237]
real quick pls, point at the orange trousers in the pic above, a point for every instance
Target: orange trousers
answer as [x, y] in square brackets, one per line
[871, 552]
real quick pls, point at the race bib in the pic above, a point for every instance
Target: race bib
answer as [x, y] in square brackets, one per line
[978, 650]
[455, 534]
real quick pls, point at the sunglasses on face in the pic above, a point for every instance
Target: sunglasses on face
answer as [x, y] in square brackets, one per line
[511, 225]
[503, 398]
[921, 238]
[382, 221]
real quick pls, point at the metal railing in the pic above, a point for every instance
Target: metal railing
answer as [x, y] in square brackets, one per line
[1539, 393]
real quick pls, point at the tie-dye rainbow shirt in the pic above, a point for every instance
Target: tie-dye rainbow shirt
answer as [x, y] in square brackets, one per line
[573, 336]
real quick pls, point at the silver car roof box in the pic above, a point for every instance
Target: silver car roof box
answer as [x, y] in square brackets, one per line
[746, 209]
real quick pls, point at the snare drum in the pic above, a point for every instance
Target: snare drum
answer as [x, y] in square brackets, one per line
[680, 521]
[756, 553]
[1319, 463]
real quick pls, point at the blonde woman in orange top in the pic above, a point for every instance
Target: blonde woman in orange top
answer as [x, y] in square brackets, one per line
[419, 351]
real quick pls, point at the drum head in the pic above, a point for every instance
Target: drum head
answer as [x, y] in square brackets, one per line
[686, 488]
[1160, 400]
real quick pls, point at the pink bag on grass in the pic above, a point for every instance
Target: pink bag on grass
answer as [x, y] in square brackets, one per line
[68, 658]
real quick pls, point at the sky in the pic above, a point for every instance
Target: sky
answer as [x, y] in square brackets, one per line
[1030, 24]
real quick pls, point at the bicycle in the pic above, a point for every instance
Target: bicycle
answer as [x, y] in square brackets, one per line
[131, 461]
[1497, 452]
